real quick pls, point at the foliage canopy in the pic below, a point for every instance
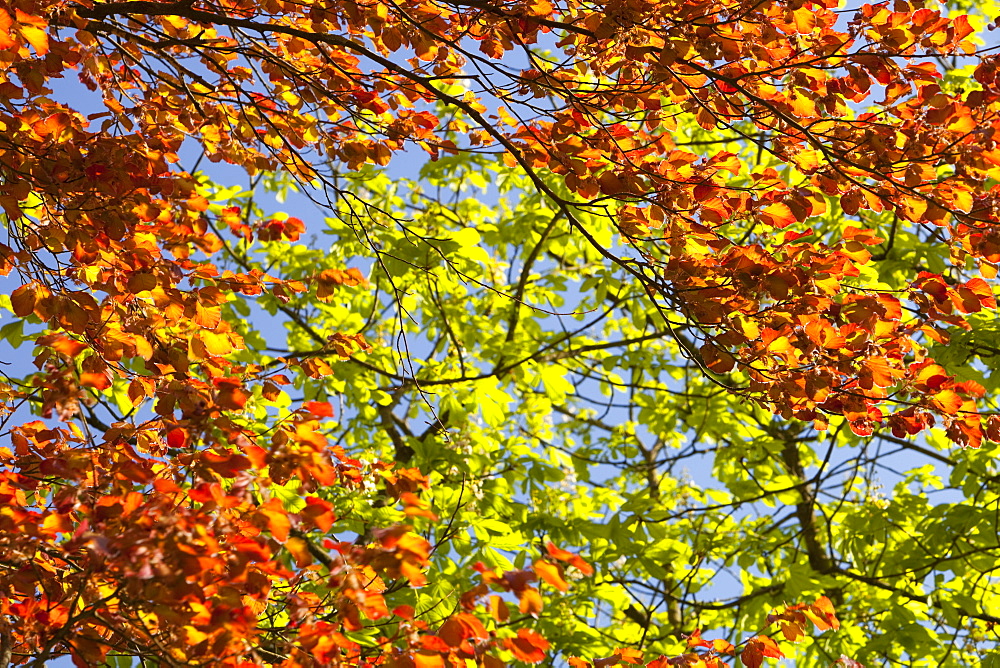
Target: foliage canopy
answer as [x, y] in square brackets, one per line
[685, 325]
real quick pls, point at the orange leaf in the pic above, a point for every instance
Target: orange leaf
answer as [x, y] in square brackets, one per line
[531, 601]
[319, 408]
[695, 640]
[777, 215]
[776, 343]
[415, 507]
[6, 23]
[982, 290]
[499, 610]
[274, 518]
[460, 627]
[792, 631]
[823, 334]
[427, 660]
[230, 393]
[528, 646]
[197, 203]
[62, 344]
[931, 377]
[23, 300]
[490, 661]
[98, 381]
[823, 615]
[404, 611]
[319, 513]
[540, 8]
[948, 401]
[718, 360]
[882, 373]
[34, 35]
[962, 27]
[723, 646]
[299, 550]
[227, 465]
[258, 457]
[570, 558]
[628, 655]
[725, 161]
[805, 20]
[207, 317]
[756, 649]
[141, 282]
[551, 573]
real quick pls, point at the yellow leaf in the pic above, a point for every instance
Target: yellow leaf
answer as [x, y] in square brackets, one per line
[32, 28]
[803, 107]
[807, 161]
[805, 20]
[746, 327]
[540, 8]
[216, 344]
[142, 347]
[193, 636]
[963, 124]
[914, 208]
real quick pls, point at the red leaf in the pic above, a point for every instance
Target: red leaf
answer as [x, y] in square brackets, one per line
[993, 428]
[319, 408]
[751, 656]
[176, 438]
[962, 27]
[227, 465]
[757, 648]
[404, 611]
[703, 190]
[982, 290]
[528, 646]
[319, 513]
[845, 662]
[717, 359]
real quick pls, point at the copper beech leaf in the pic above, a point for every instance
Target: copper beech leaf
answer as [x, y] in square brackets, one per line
[528, 646]
[580, 313]
[550, 573]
